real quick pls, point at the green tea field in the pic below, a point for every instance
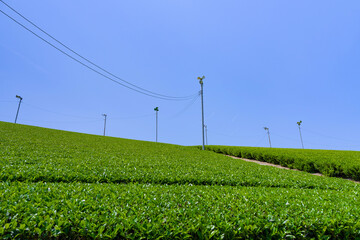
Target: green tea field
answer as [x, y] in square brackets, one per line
[344, 164]
[63, 185]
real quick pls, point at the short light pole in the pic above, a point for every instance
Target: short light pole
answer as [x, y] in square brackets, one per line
[206, 134]
[17, 113]
[267, 129]
[156, 110]
[105, 115]
[299, 124]
[202, 109]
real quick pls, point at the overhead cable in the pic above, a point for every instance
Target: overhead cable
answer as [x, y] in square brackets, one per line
[132, 117]
[134, 87]
[50, 111]
[187, 106]
[46, 121]
[326, 136]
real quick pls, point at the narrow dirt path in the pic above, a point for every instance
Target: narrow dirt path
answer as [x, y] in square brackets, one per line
[279, 166]
[272, 165]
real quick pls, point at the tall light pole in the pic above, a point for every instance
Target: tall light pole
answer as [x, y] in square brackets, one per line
[156, 110]
[267, 129]
[105, 115]
[17, 113]
[202, 109]
[206, 134]
[299, 124]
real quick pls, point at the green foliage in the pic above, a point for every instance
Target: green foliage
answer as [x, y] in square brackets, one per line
[36, 154]
[62, 185]
[344, 164]
[148, 211]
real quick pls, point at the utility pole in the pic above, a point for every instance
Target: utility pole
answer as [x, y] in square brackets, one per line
[267, 129]
[299, 124]
[202, 109]
[206, 134]
[17, 113]
[156, 110]
[105, 115]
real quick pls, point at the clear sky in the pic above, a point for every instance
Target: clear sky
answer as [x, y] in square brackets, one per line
[267, 63]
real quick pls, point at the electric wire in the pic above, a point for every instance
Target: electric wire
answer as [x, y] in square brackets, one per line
[326, 136]
[284, 137]
[132, 117]
[47, 121]
[260, 140]
[232, 135]
[84, 58]
[194, 100]
[91, 119]
[134, 88]
[45, 110]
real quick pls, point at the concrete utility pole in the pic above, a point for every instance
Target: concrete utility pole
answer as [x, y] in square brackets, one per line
[267, 129]
[202, 109]
[17, 113]
[299, 124]
[206, 134]
[156, 110]
[105, 115]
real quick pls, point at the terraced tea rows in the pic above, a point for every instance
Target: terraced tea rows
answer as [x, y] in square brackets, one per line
[57, 184]
[152, 211]
[345, 164]
[57, 156]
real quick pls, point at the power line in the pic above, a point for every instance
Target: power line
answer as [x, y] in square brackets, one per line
[84, 58]
[47, 121]
[287, 138]
[326, 136]
[134, 87]
[132, 117]
[91, 119]
[193, 101]
[261, 139]
[67, 115]
[233, 136]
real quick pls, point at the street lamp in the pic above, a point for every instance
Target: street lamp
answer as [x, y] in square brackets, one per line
[17, 113]
[267, 129]
[299, 124]
[156, 110]
[202, 109]
[105, 115]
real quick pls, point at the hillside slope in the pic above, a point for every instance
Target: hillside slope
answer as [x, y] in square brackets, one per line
[57, 184]
[332, 163]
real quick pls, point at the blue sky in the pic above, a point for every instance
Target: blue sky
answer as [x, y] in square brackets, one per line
[267, 63]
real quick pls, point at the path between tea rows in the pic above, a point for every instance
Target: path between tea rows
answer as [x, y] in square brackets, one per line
[278, 166]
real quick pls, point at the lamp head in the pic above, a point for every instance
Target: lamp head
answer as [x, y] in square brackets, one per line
[201, 79]
[17, 96]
